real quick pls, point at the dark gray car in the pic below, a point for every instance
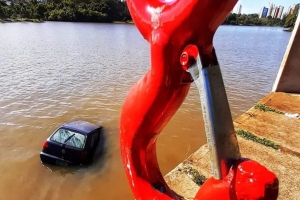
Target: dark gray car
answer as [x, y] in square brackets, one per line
[72, 143]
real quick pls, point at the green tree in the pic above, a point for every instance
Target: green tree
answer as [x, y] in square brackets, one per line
[68, 10]
[290, 19]
[5, 10]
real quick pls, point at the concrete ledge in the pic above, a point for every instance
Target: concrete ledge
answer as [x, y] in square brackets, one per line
[285, 166]
[275, 127]
[180, 183]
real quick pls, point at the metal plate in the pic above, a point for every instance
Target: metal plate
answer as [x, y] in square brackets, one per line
[221, 139]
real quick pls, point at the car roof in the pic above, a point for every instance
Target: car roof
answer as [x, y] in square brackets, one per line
[80, 126]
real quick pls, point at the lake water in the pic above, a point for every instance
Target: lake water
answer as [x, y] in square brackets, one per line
[56, 72]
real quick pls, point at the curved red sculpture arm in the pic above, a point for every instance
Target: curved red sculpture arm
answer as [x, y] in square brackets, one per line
[169, 27]
[147, 109]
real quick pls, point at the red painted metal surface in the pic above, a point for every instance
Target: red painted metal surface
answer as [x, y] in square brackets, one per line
[169, 26]
[189, 56]
[246, 180]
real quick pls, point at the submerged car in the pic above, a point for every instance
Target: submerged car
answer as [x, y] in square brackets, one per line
[72, 143]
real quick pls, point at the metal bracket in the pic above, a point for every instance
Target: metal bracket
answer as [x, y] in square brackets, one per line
[221, 139]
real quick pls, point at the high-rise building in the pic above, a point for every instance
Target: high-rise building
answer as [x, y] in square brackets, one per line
[260, 12]
[264, 12]
[280, 12]
[289, 10]
[239, 9]
[274, 12]
[293, 8]
[270, 9]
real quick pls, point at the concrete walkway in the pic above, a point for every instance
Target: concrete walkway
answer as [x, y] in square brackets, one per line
[265, 134]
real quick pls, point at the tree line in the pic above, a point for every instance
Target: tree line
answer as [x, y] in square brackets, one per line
[251, 20]
[67, 10]
[113, 10]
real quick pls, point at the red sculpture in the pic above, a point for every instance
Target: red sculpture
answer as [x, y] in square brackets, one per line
[247, 179]
[169, 26]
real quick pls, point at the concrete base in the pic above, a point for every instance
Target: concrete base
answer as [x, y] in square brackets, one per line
[277, 128]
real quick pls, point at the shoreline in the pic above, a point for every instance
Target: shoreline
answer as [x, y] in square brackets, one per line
[40, 21]
[114, 22]
[20, 20]
[121, 22]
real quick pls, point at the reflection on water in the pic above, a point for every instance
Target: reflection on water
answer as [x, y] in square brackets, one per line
[53, 73]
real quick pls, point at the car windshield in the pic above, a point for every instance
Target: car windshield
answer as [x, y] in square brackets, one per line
[70, 138]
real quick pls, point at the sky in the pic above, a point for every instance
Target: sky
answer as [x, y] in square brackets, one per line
[250, 6]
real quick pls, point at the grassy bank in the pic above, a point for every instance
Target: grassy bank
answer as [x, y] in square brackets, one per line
[20, 20]
[123, 22]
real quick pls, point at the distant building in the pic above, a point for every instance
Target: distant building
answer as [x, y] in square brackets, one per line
[280, 12]
[239, 9]
[294, 7]
[260, 12]
[289, 10]
[270, 9]
[275, 13]
[264, 12]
